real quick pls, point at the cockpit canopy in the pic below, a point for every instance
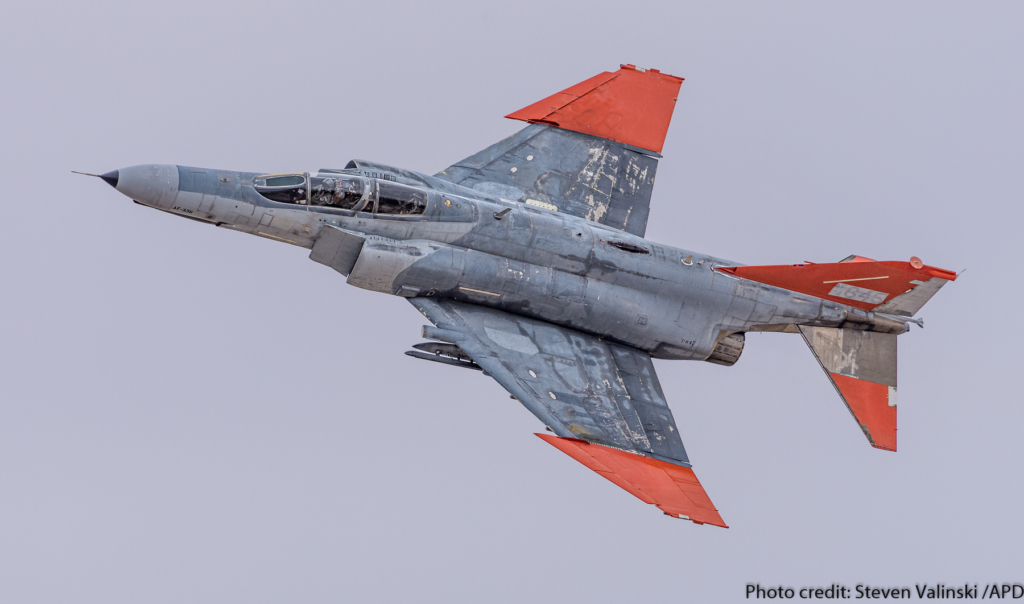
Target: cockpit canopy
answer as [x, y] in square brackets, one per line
[393, 198]
[342, 191]
[337, 190]
[345, 192]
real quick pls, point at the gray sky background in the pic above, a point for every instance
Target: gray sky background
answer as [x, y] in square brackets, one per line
[196, 415]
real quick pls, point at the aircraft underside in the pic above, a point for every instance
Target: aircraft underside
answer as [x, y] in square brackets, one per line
[528, 260]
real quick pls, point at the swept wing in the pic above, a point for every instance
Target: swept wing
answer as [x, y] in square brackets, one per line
[601, 400]
[590, 151]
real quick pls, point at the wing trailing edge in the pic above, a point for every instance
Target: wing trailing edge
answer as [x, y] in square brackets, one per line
[674, 489]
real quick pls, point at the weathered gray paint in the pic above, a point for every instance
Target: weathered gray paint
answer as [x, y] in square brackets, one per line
[338, 249]
[579, 385]
[514, 284]
[594, 178]
[864, 355]
[910, 303]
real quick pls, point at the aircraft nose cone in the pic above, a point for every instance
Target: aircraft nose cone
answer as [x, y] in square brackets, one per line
[150, 184]
[111, 178]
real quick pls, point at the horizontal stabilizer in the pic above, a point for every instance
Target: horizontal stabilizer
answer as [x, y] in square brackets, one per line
[896, 287]
[630, 106]
[673, 488]
[862, 367]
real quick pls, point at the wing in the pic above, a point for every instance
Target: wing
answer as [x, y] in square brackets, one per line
[590, 151]
[602, 401]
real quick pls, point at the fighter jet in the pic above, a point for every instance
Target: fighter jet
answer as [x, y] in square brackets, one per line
[529, 261]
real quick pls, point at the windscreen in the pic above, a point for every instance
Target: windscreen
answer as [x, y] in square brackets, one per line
[283, 188]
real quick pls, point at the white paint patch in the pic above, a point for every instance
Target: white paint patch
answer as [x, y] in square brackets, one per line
[512, 341]
[892, 396]
[542, 204]
[860, 294]
[861, 279]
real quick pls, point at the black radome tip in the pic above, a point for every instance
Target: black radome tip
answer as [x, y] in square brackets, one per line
[110, 178]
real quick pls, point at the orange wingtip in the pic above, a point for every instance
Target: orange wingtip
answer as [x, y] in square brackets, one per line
[674, 489]
[874, 282]
[874, 407]
[629, 106]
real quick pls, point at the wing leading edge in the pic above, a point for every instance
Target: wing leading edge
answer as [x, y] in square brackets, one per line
[601, 400]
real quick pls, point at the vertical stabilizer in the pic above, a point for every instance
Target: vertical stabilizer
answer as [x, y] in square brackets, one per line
[899, 288]
[862, 367]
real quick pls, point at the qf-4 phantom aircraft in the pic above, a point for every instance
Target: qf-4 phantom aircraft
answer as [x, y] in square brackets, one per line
[529, 261]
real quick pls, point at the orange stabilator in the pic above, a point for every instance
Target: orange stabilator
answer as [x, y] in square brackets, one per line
[870, 405]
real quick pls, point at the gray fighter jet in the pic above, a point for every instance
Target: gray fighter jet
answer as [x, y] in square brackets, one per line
[529, 261]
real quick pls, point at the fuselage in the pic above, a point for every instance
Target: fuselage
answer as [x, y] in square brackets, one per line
[431, 238]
